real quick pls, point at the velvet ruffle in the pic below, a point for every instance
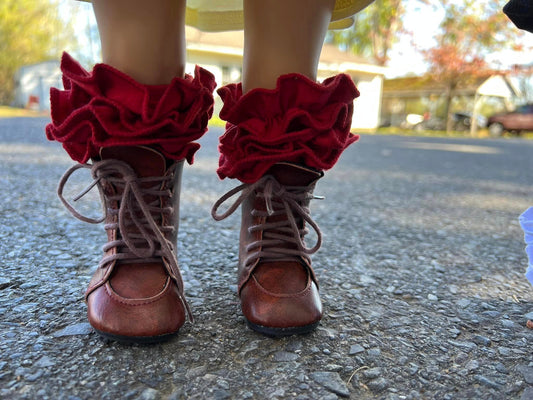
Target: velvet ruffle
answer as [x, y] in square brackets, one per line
[299, 121]
[108, 108]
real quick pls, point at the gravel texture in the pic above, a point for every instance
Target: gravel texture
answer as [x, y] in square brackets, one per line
[421, 276]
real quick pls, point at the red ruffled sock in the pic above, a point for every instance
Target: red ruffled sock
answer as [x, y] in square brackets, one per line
[106, 107]
[299, 121]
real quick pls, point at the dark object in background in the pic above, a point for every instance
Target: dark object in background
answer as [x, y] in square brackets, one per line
[521, 13]
[463, 120]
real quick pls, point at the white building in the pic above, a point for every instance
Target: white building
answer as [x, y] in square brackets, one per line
[35, 81]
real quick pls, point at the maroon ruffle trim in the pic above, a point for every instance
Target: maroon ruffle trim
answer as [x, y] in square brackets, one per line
[299, 121]
[108, 108]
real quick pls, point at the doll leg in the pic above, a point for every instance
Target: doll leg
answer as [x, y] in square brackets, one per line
[283, 37]
[144, 39]
[284, 129]
[132, 121]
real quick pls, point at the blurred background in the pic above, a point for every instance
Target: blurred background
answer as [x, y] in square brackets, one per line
[455, 67]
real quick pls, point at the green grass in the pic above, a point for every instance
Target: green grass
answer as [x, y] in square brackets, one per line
[482, 133]
[11, 112]
[215, 121]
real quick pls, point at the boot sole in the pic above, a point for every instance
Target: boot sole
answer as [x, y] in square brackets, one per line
[282, 332]
[136, 339]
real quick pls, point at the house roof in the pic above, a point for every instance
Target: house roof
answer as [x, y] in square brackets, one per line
[420, 86]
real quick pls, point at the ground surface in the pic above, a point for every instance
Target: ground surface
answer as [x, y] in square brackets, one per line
[421, 276]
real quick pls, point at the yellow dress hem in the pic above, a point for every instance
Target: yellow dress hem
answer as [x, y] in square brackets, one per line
[216, 20]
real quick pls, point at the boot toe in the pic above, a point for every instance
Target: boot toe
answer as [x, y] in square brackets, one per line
[281, 314]
[143, 320]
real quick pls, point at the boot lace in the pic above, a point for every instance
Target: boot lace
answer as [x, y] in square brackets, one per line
[142, 235]
[283, 238]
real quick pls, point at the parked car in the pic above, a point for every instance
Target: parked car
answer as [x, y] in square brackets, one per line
[515, 121]
[460, 122]
[463, 120]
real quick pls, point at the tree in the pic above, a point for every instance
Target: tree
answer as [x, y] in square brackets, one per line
[375, 30]
[31, 31]
[469, 31]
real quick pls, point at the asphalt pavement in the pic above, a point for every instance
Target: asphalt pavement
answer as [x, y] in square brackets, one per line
[421, 274]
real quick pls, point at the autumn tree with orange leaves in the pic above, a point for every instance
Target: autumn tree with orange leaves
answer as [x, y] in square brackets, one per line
[470, 30]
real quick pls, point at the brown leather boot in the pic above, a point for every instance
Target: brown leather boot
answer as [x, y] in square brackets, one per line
[137, 136]
[277, 286]
[136, 294]
[276, 142]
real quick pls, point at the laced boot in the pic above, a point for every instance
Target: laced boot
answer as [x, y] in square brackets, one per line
[277, 285]
[137, 137]
[279, 142]
[136, 293]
